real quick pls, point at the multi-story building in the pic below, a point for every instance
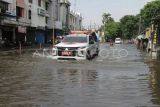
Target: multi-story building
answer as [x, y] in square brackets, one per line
[53, 22]
[59, 11]
[22, 20]
[8, 21]
[75, 21]
[34, 20]
[38, 15]
[64, 14]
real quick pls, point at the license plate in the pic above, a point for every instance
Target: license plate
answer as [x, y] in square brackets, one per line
[66, 53]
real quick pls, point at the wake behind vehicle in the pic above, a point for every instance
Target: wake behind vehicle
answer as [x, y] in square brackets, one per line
[75, 47]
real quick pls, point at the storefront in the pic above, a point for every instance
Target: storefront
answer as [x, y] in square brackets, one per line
[31, 35]
[40, 35]
[8, 22]
[21, 34]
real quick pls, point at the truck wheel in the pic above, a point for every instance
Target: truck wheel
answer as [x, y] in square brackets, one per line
[88, 56]
[97, 52]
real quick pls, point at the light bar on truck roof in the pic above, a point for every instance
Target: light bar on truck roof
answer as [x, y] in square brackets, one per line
[80, 32]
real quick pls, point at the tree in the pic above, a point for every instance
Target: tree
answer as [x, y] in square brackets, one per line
[129, 26]
[106, 18]
[149, 12]
[112, 29]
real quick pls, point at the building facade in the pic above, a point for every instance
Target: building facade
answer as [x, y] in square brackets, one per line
[34, 21]
[64, 15]
[54, 22]
[22, 20]
[75, 21]
[38, 15]
[8, 21]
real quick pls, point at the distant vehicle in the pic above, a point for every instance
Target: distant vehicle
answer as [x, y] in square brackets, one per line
[75, 47]
[118, 41]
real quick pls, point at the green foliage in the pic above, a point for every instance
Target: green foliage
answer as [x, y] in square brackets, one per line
[149, 12]
[112, 30]
[110, 27]
[129, 26]
[106, 18]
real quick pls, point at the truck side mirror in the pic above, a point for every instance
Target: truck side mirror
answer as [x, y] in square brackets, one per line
[91, 42]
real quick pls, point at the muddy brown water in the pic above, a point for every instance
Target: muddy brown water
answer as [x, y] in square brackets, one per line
[130, 81]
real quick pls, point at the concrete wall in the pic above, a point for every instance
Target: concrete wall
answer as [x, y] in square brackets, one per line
[75, 21]
[37, 20]
[52, 12]
[64, 12]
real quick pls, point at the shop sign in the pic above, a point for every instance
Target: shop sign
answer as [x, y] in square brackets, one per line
[41, 12]
[155, 38]
[21, 29]
[58, 24]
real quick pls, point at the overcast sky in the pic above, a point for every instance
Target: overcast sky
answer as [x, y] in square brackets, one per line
[92, 10]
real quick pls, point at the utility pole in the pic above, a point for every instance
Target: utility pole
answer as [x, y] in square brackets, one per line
[139, 31]
[53, 5]
[90, 25]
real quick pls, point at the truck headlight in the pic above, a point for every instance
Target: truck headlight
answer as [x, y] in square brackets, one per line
[82, 51]
[54, 51]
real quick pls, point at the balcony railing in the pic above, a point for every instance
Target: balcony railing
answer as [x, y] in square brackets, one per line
[9, 21]
[24, 21]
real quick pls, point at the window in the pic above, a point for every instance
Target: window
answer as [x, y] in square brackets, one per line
[91, 40]
[20, 12]
[47, 5]
[46, 20]
[30, 1]
[3, 6]
[39, 2]
[77, 39]
[29, 14]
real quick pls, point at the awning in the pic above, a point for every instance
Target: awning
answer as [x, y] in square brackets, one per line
[141, 37]
[21, 3]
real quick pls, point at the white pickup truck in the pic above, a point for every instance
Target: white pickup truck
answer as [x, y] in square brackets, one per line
[76, 47]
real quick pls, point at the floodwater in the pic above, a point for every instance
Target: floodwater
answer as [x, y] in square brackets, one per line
[121, 76]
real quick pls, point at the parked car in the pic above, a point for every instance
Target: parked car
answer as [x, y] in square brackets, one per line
[118, 41]
[76, 47]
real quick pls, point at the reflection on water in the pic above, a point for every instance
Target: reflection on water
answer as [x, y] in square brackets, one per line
[40, 82]
[154, 82]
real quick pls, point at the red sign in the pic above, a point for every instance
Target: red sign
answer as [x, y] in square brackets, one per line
[66, 53]
[21, 29]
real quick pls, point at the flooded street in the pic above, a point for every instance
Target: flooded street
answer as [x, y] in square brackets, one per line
[130, 81]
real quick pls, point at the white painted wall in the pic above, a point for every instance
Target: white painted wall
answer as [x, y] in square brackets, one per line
[63, 13]
[36, 19]
[75, 21]
[53, 11]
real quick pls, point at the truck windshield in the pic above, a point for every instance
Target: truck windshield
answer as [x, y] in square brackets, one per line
[78, 39]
